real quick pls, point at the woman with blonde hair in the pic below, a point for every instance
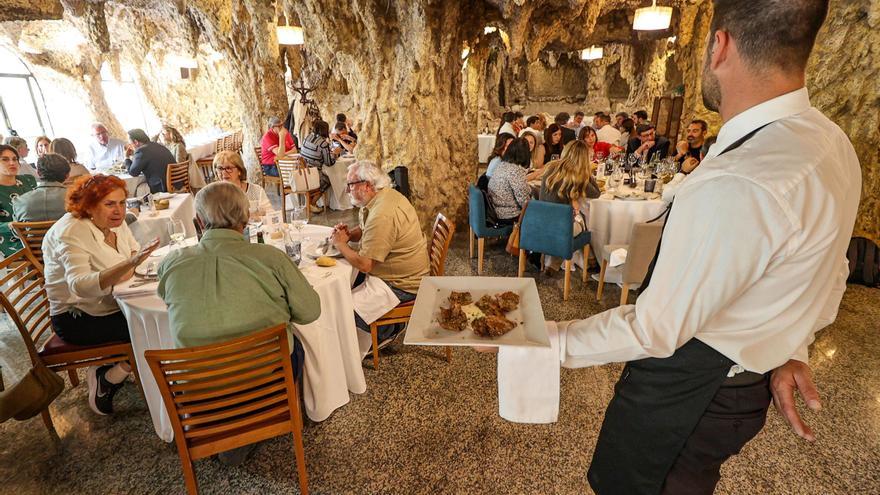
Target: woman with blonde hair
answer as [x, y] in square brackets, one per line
[65, 148]
[569, 180]
[41, 145]
[228, 167]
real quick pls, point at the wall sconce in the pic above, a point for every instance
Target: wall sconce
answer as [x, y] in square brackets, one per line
[592, 53]
[652, 18]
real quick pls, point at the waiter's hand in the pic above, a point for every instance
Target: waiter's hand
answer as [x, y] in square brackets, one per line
[791, 376]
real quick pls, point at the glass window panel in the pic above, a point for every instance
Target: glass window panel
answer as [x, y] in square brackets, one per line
[10, 64]
[19, 107]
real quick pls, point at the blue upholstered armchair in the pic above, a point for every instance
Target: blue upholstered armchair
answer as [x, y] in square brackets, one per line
[547, 229]
[478, 224]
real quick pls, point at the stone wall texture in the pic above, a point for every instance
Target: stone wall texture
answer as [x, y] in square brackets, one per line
[396, 67]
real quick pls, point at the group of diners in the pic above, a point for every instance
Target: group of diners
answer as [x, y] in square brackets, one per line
[563, 157]
[320, 148]
[90, 249]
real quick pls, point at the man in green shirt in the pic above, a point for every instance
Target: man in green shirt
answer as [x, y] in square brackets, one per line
[224, 287]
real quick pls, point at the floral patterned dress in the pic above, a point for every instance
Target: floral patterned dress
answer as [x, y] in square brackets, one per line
[8, 242]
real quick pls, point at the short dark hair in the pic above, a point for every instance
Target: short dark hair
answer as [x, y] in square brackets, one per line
[781, 35]
[702, 123]
[340, 126]
[579, 114]
[321, 128]
[518, 153]
[600, 113]
[643, 128]
[138, 135]
[63, 147]
[6, 147]
[622, 114]
[508, 117]
[628, 125]
[517, 115]
[531, 120]
[340, 117]
[53, 167]
[562, 118]
[709, 141]
[641, 114]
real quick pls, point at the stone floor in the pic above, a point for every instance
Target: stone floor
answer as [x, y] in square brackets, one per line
[425, 426]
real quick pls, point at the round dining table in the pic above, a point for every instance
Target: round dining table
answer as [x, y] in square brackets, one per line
[332, 368]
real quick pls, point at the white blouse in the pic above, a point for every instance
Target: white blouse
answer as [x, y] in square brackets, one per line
[74, 254]
[258, 194]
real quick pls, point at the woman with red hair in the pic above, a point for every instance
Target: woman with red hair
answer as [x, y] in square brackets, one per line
[88, 251]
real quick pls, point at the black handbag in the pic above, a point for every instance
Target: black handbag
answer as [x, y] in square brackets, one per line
[400, 180]
[864, 262]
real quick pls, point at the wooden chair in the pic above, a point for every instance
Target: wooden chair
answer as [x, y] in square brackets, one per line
[206, 167]
[31, 235]
[177, 177]
[644, 238]
[25, 301]
[269, 179]
[224, 396]
[438, 247]
[237, 140]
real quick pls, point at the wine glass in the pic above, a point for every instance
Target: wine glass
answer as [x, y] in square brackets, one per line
[297, 218]
[176, 232]
[614, 180]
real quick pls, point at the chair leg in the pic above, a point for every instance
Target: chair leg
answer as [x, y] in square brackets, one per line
[374, 333]
[624, 294]
[470, 243]
[74, 379]
[298, 450]
[601, 280]
[566, 286]
[47, 420]
[189, 477]
[522, 263]
[137, 377]
[449, 354]
[481, 247]
[586, 263]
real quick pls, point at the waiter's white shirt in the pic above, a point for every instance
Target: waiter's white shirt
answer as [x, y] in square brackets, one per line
[102, 157]
[608, 134]
[752, 261]
[74, 254]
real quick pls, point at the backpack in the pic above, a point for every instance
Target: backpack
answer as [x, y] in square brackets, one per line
[491, 216]
[864, 262]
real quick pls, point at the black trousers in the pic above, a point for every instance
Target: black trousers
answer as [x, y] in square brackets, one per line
[81, 328]
[735, 415]
[672, 422]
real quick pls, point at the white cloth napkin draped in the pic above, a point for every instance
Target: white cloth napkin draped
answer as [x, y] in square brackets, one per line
[373, 298]
[528, 381]
[617, 257]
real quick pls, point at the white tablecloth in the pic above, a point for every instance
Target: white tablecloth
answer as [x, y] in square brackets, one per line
[610, 222]
[332, 365]
[339, 198]
[137, 186]
[485, 143]
[151, 225]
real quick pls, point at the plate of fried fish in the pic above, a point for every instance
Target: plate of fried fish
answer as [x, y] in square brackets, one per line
[477, 311]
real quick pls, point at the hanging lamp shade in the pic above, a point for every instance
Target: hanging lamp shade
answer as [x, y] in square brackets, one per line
[289, 35]
[592, 53]
[652, 18]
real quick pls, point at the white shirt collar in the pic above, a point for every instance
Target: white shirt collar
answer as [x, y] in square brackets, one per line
[761, 114]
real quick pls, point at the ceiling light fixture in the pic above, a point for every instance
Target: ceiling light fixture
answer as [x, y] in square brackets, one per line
[287, 34]
[489, 29]
[652, 18]
[592, 53]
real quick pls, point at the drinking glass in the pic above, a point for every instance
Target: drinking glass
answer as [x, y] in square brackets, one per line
[614, 180]
[176, 232]
[297, 218]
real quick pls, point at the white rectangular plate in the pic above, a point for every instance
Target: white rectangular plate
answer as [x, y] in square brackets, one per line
[423, 328]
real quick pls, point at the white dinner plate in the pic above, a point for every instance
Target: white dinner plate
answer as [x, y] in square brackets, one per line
[424, 329]
[317, 252]
[148, 268]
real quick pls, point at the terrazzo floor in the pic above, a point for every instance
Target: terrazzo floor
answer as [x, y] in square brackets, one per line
[425, 426]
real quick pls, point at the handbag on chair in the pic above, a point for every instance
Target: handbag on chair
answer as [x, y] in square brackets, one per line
[304, 179]
[36, 390]
[513, 241]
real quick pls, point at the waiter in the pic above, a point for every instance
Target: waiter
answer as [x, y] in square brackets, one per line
[751, 265]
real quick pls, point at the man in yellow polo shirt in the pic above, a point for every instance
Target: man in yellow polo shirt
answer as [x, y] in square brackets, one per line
[392, 246]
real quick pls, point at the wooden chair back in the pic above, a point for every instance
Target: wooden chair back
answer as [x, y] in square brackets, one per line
[258, 151]
[224, 396]
[25, 301]
[238, 140]
[177, 177]
[218, 145]
[206, 167]
[438, 246]
[287, 167]
[31, 235]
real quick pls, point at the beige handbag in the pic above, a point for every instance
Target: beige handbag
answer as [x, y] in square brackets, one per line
[304, 179]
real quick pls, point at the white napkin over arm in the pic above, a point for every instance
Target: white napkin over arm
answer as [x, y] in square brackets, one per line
[528, 381]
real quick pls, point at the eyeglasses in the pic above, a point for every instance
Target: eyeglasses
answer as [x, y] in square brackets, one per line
[348, 185]
[226, 169]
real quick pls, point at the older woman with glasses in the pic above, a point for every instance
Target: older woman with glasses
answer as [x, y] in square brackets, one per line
[12, 185]
[228, 167]
[88, 251]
